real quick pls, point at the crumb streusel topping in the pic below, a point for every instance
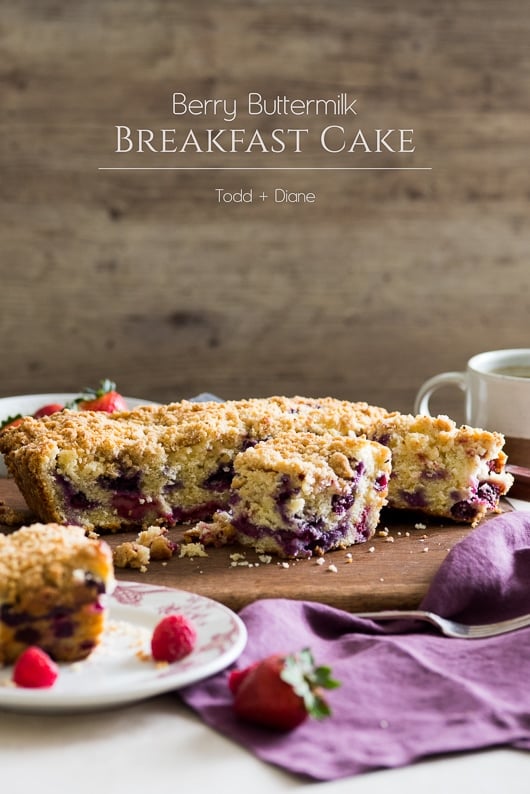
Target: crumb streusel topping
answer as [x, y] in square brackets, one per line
[44, 556]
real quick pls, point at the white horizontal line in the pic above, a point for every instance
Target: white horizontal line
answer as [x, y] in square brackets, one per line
[255, 168]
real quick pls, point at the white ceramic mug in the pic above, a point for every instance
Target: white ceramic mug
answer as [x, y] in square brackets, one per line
[497, 396]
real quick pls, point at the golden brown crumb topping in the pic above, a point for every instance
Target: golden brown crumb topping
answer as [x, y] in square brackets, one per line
[312, 457]
[49, 555]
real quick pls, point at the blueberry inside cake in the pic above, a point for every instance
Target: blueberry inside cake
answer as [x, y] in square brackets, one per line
[443, 470]
[53, 581]
[172, 464]
[300, 493]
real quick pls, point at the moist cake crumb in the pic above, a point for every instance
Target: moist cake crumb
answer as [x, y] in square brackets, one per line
[217, 532]
[192, 550]
[157, 541]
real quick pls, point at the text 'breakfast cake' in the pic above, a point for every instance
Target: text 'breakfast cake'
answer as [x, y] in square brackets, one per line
[53, 581]
[175, 463]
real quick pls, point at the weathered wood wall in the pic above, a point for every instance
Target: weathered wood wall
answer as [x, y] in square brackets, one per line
[141, 276]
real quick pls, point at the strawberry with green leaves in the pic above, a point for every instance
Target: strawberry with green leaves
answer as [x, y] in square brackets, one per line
[281, 691]
[11, 421]
[105, 398]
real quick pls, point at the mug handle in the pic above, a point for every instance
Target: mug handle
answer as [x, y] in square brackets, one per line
[421, 403]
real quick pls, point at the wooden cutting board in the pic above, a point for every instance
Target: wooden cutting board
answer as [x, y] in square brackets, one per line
[386, 573]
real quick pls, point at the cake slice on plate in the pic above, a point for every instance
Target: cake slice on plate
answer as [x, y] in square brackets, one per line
[53, 582]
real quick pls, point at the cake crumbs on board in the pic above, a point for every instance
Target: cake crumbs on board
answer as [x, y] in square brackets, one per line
[192, 550]
[150, 544]
[131, 555]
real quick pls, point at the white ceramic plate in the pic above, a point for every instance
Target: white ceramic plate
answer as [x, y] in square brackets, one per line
[26, 404]
[121, 669]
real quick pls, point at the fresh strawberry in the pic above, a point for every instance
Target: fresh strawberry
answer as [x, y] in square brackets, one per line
[11, 421]
[236, 677]
[105, 398]
[48, 410]
[34, 669]
[281, 691]
[173, 638]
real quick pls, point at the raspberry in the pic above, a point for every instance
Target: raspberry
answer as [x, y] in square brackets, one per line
[173, 638]
[35, 669]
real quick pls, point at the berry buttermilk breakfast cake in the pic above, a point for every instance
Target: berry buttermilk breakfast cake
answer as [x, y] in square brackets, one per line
[298, 493]
[53, 581]
[175, 463]
[166, 464]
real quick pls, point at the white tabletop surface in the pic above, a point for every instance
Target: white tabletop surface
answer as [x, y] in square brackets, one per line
[160, 746]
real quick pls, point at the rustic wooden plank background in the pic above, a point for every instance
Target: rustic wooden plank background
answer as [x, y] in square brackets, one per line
[141, 276]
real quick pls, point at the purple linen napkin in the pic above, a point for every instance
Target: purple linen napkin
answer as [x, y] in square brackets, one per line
[406, 695]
